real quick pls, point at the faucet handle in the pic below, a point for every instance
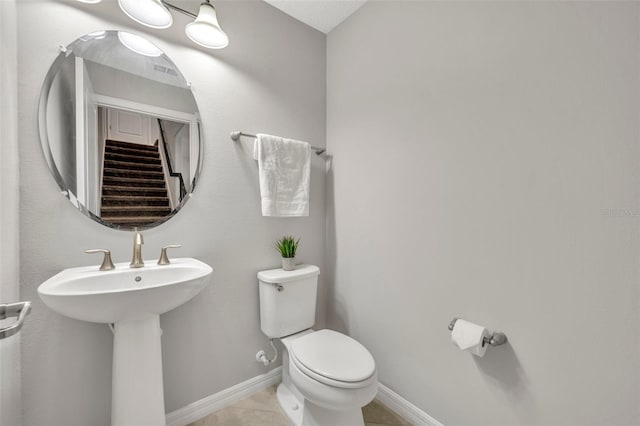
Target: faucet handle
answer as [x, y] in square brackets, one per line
[164, 259]
[107, 264]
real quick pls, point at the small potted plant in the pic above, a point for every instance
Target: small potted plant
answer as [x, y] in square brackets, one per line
[287, 247]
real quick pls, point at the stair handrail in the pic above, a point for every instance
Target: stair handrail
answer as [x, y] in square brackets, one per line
[172, 173]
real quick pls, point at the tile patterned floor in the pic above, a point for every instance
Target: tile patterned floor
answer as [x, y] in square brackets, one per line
[262, 409]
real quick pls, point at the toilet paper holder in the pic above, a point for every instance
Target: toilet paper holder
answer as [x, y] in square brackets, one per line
[496, 339]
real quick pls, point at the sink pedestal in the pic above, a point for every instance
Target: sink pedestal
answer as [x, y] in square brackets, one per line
[133, 299]
[137, 395]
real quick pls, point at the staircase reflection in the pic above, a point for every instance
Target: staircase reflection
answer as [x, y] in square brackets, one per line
[134, 190]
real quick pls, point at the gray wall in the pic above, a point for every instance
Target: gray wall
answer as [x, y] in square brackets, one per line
[270, 79]
[486, 166]
[124, 85]
[10, 389]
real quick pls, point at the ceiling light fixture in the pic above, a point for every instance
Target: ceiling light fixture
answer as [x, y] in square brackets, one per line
[204, 30]
[151, 13]
[138, 44]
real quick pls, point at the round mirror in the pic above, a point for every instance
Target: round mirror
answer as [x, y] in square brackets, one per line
[120, 130]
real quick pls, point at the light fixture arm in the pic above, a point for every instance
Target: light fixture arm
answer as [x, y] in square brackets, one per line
[179, 9]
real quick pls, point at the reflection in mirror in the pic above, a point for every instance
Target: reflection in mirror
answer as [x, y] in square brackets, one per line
[120, 130]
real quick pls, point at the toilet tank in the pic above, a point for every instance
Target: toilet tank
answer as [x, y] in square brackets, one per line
[288, 300]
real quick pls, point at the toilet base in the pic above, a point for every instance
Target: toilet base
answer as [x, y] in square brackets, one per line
[290, 404]
[305, 413]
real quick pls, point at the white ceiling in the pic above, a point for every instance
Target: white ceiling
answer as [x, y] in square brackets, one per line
[323, 15]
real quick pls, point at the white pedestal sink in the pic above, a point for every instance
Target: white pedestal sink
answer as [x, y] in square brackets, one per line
[132, 300]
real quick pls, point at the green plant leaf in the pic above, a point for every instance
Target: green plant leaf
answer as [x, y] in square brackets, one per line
[287, 246]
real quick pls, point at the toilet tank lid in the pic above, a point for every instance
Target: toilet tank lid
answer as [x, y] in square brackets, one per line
[279, 276]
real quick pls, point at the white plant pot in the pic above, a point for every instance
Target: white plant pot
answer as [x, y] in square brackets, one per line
[288, 263]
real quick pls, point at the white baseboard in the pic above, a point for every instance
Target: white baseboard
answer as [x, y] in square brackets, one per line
[202, 408]
[236, 393]
[404, 408]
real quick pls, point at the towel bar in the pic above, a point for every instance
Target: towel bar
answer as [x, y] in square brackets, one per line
[19, 310]
[236, 136]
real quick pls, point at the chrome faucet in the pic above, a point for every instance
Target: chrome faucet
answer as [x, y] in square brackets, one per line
[138, 241]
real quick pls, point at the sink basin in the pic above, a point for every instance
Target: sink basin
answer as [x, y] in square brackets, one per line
[124, 293]
[131, 299]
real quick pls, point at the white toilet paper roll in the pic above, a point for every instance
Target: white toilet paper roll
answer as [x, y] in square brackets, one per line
[469, 337]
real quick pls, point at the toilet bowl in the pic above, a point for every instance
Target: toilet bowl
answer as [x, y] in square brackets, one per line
[327, 377]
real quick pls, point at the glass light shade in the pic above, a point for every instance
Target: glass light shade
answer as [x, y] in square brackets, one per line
[151, 13]
[90, 1]
[205, 30]
[97, 35]
[138, 44]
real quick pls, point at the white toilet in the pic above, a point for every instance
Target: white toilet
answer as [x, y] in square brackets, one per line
[327, 377]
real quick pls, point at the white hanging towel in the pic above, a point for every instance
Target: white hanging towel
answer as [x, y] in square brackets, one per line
[284, 170]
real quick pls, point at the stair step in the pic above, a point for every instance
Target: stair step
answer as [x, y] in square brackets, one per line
[128, 165]
[116, 200]
[146, 174]
[131, 145]
[133, 191]
[135, 211]
[129, 181]
[124, 157]
[131, 152]
[133, 221]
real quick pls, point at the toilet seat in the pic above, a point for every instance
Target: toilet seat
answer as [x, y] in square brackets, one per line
[333, 359]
